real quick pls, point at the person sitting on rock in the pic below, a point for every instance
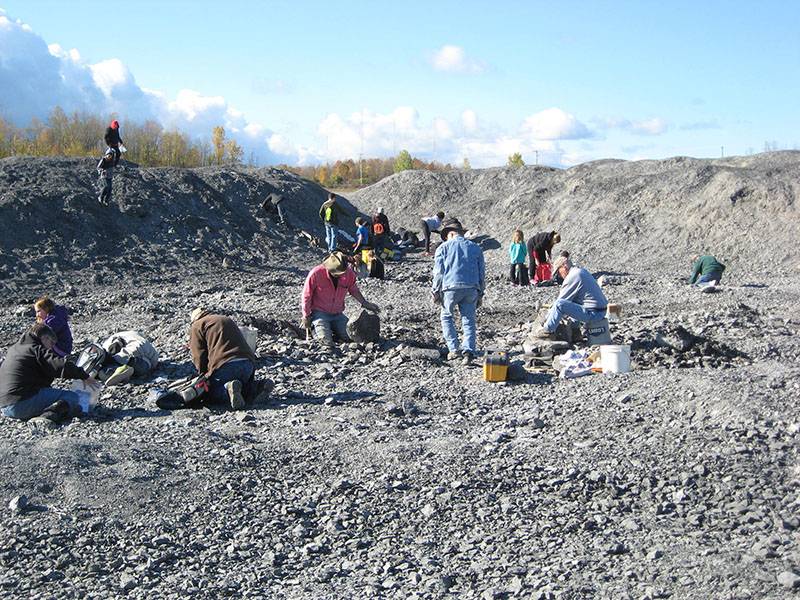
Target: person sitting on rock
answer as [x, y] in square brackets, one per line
[431, 225]
[56, 318]
[459, 280]
[220, 352]
[540, 249]
[128, 354]
[705, 270]
[362, 235]
[113, 140]
[27, 373]
[580, 298]
[322, 302]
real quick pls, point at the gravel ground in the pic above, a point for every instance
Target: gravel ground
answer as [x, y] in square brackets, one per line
[387, 472]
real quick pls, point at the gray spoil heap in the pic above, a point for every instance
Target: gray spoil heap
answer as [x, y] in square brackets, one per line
[50, 217]
[650, 214]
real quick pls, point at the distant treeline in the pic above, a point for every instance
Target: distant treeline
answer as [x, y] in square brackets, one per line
[150, 145]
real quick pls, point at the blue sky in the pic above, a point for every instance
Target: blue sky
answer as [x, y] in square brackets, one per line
[307, 81]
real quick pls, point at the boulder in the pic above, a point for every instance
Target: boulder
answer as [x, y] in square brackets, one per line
[366, 328]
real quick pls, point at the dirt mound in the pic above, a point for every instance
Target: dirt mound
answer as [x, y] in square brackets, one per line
[639, 215]
[50, 217]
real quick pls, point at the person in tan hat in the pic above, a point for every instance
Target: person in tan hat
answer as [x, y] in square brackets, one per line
[220, 352]
[322, 302]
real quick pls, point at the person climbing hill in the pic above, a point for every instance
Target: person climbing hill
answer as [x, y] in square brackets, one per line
[113, 140]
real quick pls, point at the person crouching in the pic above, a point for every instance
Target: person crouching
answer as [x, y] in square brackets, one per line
[322, 302]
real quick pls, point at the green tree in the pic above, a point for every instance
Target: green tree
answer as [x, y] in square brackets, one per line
[403, 162]
[515, 160]
[218, 141]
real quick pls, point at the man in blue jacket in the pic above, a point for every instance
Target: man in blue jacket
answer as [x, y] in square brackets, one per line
[459, 276]
[580, 298]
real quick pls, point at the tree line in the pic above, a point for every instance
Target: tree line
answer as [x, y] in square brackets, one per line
[148, 143]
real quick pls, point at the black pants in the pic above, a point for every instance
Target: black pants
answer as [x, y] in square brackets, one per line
[519, 274]
[427, 234]
[117, 154]
[105, 193]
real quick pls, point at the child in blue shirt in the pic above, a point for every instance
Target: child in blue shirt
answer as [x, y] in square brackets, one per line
[518, 252]
[362, 235]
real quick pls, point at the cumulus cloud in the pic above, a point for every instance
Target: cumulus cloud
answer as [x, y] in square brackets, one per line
[555, 124]
[36, 77]
[453, 59]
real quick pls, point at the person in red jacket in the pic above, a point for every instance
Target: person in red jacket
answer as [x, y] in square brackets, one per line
[322, 303]
[113, 140]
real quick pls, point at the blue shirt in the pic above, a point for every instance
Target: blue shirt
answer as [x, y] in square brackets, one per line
[458, 264]
[362, 235]
[581, 288]
[518, 252]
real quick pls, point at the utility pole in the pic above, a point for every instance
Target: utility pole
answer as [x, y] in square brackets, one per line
[537, 157]
[722, 151]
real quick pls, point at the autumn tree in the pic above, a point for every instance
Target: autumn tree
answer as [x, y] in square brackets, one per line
[218, 141]
[515, 160]
[403, 162]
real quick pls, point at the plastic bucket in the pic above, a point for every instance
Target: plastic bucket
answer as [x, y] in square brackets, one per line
[250, 335]
[87, 397]
[615, 359]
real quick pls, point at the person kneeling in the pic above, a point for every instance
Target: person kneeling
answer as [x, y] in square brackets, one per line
[27, 373]
[220, 352]
[580, 298]
[322, 303]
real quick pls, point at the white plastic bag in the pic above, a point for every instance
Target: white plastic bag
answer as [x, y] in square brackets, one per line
[87, 396]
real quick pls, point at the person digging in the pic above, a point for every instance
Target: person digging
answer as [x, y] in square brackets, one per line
[322, 302]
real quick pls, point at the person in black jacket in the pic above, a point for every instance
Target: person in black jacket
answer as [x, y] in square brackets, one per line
[113, 140]
[540, 249]
[27, 374]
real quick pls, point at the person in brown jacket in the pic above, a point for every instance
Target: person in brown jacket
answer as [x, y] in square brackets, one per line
[220, 352]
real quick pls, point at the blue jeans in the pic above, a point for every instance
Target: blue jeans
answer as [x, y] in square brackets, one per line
[716, 276]
[466, 300]
[237, 369]
[330, 236]
[570, 309]
[36, 404]
[328, 324]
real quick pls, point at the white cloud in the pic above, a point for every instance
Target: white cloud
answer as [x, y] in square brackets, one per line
[555, 124]
[469, 120]
[453, 59]
[36, 77]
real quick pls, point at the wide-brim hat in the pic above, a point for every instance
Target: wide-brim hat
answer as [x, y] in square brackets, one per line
[450, 224]
[335, 263]
[196, 314]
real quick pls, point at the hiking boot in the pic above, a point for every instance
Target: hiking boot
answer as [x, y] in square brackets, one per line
[263, 389]
[121, 374]
[52, 415]
[170, 401]
[542, 334]
[469, 357]
[454, 355]
[234, 389]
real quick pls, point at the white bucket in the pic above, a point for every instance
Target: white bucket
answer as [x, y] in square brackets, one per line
[615, 359]
[250, 336]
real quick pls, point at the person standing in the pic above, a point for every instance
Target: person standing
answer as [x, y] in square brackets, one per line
[113, 140]
[322, 302]
[56, 318]
[105, 169]
[380, 232]
[459, 280]
[362, 235]
[517, 253]
[27, 373]
[430, 225]
[329, 213]
[540, 249]
[220, 352]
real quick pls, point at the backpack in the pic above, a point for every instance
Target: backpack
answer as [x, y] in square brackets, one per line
[91, 359]
[378, 228]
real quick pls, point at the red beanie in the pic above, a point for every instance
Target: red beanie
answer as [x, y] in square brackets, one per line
[114, 124]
